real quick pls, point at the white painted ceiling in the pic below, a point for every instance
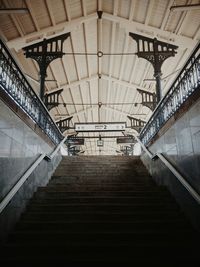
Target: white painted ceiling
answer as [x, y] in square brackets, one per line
[121, 75]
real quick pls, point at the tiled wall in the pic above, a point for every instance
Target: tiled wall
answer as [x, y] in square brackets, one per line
[181, 146]
[19, 147]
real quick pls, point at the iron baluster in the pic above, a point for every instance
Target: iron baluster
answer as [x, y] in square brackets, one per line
[185, 84]
[14, 83]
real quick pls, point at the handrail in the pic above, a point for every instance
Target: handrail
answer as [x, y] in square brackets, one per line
[27, 173]
[17, 87]
[181, 179]
[187, 81]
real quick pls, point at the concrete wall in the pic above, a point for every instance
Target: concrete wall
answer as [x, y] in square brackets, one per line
[180, 144]
[19, 147]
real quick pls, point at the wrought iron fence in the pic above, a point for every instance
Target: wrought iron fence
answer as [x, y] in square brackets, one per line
[14, 83]
[184, 85]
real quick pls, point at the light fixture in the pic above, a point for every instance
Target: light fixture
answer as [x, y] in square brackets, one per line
[185, 7]
[100, 142]
[13, 10]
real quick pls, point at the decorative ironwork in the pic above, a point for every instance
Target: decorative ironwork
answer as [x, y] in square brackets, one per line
[51, 99]
[148, 99]
[187, 82]
[136, 124]
[63, 124]
[15, 84]
[156, 52]
[44, 52]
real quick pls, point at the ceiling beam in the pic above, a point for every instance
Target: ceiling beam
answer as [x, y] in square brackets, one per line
[123, 83]
[32, 14]
[49, 32]
[167, 15]
[109, 90]
[75, 84]
[149, 12]
[131, 26]
[15, 19]
[67, 9]
[50, 11]
[120, 112]
[79, 82]
[63, 116]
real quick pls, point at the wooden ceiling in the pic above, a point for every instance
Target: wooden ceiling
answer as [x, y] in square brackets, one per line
[111, 80]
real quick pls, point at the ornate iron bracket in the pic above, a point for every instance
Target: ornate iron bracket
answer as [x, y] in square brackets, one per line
[136, 124]
[148, 99]
[156, 52]
[44, 52]
[63, 124]
[51, 99]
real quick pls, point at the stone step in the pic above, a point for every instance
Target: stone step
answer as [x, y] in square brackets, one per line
[108, 207]
[103, 200]
[108, 226]
[101, 238]
[107, 253]
[102, 211]
[98, 187]
[101, 216]
[98, 194]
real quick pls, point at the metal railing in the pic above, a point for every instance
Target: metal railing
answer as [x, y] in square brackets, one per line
[27, 173]
[15, 84]
[177, 174]
[184, 85]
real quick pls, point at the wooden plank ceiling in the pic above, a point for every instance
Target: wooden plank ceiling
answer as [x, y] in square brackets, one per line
[121, 75]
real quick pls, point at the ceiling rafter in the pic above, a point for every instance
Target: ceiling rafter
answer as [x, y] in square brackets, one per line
[149, 31]
[67, 9]
[123, 83]
[149, 11]
[49, 32]
[61, 28]
[123, 101]
[87, 57]
[75, 83]
[117, 111]
[132, 9]
[115, 97]
[77, 71]
[197, 33]
[50, 11]
[182, 20]
[32, 14]
[58, 84]
[115, 9]
[15, 20]
[167, 15]
[79, 112]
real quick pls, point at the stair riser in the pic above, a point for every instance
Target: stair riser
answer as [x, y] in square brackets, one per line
[101, 211]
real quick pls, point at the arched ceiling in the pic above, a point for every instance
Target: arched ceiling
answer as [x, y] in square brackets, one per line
[111, 80]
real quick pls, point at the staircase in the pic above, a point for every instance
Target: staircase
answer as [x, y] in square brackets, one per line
[101, 211]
